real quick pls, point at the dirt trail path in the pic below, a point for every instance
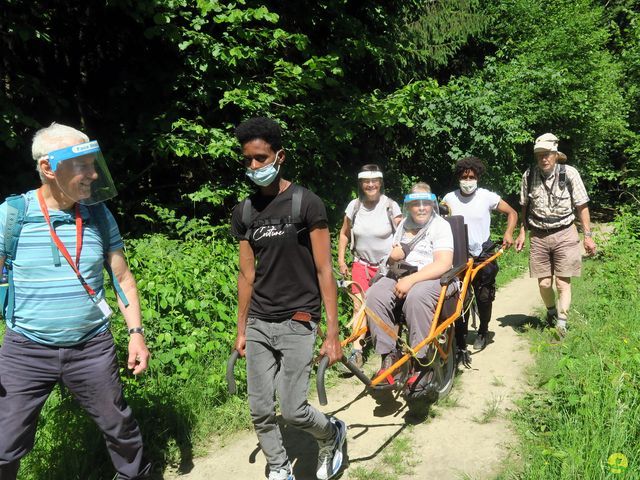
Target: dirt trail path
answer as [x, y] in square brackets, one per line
[496, 379]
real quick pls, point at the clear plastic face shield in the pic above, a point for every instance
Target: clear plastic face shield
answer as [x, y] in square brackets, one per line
[371, 185]
[418, 208]
[82, 173]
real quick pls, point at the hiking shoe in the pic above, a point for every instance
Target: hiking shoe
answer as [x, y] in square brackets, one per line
[282, 474]
[421, 385]
[481, 341]
[330, 455]
[463, 356]
[388, 360]
[356, 358]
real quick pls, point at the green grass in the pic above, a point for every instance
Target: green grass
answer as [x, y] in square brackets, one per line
[490, 412]
[399, 458]
[512, 265]
[450, 401]
[497, 382]
[585, 402]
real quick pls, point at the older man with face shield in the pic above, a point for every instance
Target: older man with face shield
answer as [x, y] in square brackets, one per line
[55, 308]
[422, 253]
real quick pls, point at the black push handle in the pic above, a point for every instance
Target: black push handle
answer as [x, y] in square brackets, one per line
[322, 392]
[322, 367]
[231, 381]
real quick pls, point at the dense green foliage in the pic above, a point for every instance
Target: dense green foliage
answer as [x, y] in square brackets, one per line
[411, 85]
[587, 406]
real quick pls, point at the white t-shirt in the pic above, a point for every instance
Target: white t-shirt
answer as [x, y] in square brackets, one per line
[372, 230]
[438, 237]
[476, 210]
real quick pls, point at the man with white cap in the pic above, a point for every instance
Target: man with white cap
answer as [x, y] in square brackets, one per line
[550, 192]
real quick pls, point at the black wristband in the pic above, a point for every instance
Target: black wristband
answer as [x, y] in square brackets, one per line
[139, 330]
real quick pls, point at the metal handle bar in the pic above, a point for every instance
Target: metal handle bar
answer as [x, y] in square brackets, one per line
[231, 381]
[322, 367]
[322, 392]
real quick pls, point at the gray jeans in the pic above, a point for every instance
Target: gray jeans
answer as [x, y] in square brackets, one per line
[419, 307]
[279, 356]
[28, 373]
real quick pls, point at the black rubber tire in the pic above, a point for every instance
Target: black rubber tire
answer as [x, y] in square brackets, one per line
[446, 370]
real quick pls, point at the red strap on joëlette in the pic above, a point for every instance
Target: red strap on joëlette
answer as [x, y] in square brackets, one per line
[63, 250]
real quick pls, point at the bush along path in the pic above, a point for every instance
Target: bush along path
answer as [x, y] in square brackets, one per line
[464, 436]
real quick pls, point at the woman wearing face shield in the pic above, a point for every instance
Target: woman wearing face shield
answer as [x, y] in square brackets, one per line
[369, 224]
[421, 254]
[475, 205]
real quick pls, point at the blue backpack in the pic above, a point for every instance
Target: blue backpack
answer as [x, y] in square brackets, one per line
[15, 219]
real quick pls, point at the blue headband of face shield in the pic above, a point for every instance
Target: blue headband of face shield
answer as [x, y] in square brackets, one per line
[57, 156]
[412, 197]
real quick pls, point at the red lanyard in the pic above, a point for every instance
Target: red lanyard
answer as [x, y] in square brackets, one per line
[63, 250]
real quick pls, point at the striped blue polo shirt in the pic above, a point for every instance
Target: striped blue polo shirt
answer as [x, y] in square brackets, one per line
[51, 306]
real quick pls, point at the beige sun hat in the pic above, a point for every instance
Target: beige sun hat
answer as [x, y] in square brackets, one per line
[546, 143]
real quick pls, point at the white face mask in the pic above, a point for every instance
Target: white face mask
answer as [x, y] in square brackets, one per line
[468, 186]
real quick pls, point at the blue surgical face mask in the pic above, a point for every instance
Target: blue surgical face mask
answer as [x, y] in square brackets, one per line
[264, 176]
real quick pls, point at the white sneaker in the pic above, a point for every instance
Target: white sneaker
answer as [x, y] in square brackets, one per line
[330, 456]
[282, 474]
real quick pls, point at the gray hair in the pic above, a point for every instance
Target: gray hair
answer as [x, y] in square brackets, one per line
[51, 138]
[421, 187]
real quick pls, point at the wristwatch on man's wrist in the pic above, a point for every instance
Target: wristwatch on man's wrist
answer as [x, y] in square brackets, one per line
[588, 234]
[139, 330]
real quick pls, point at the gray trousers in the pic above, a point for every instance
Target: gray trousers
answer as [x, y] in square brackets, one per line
[279, 356]
[419, 307]
[28, 373]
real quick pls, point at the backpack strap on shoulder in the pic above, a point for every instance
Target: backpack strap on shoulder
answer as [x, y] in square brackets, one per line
[296, 208]
[16, 211]
[564, 181]
[390, 215]
[98, 214]
[296, 204]
[562, 176]
[356, 207]
[527, 212]
[246, 217]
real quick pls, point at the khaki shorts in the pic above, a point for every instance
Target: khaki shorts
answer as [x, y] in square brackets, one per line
[556, 253]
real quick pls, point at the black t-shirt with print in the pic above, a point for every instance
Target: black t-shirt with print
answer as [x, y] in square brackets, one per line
[286, 279]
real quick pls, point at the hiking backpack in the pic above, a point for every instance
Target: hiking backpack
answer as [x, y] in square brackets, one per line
[294, 218]
[357, 206]
[562, 183]
[17, 206]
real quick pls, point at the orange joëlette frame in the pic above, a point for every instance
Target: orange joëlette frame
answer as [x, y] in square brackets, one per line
[468, 274]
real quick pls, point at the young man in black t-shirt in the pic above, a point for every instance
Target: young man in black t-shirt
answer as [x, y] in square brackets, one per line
[285, 268]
